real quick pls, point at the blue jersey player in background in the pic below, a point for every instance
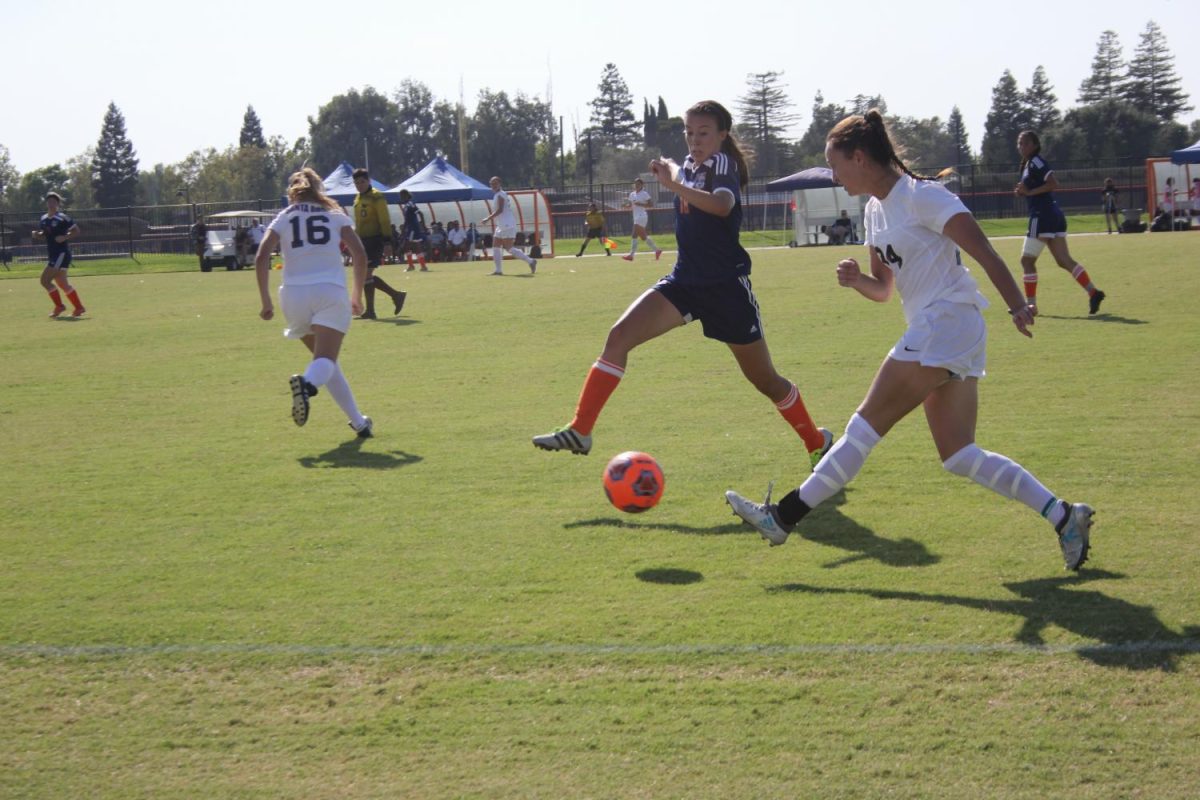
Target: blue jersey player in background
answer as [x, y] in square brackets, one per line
[413, 237]
[57, 229]
[1047, 224]
[710, 283]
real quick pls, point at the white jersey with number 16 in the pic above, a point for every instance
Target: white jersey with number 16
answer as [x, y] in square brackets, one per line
[310, 237]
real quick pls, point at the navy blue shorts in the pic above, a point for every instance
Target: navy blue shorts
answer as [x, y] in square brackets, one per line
[1048, 223]
[374, 247]
[61, 261]
[728, 311]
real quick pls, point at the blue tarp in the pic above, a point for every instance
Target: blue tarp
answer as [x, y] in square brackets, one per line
[1188, 155]
[811, 178]
[339, 185]
[440, 182]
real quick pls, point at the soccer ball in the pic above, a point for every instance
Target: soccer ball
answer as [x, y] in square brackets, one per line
[633, 482]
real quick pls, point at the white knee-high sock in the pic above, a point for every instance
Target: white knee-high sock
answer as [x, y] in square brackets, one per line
[516, 253]
[633, 243]
[339, 390]
[650, 243]
[498, 257]
[1005, 477]
[319, 370]
[841, 463]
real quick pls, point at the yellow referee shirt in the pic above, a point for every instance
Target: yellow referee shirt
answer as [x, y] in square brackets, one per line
[371, 216]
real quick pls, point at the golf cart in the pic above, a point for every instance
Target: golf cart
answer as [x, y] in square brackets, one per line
[225, 232]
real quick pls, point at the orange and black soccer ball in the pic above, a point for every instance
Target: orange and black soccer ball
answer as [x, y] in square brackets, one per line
[633, 482]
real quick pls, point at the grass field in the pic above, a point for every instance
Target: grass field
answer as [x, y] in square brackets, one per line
[201, 600]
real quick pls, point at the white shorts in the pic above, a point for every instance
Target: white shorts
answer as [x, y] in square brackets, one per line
[309, 304]
[641, 219]
[952, 336]
[505, 233]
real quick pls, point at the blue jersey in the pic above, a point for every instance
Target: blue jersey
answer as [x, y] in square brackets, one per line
[709, 246]
[53, 226]
[413, 229]
[1034, 175]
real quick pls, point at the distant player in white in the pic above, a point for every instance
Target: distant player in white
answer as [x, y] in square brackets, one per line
[639, 201]
[310, 233]
[504, 229]
[914, 231]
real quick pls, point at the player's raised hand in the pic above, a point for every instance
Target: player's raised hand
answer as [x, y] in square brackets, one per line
[665, 169]
[848, 272]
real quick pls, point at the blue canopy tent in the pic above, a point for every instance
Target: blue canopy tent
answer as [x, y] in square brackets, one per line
[811, 178]
[817, 200]
[339, 185]
[1188, 155]
[441, 182]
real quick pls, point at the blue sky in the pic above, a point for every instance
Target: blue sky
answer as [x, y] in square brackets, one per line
[183, 74]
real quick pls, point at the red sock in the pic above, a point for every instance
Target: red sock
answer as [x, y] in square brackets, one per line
[1081, 277]
[73, 296]
[792, 409]
[409, 258]
[601, 382]
[421, 260]
[1031, 287]
[56, 298]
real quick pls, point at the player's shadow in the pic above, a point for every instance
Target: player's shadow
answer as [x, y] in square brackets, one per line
[351, 454]
[827, 525]
[1127, 635]
[673, 527]
[669, 575]
[1115, 318]
[399, 322]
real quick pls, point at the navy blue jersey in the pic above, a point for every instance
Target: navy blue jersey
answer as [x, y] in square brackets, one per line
[413, 229]
[709, 249]
[1034, 175]
[53, 226]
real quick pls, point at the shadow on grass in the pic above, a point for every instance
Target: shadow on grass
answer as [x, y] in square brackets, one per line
[350, 454]
[669, 575]
[1128, 635]
[827, 525]
[1115, 318]
[617, 522]
[399, 322]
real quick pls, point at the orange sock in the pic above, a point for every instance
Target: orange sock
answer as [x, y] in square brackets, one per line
[601, 382]
[792, 409]
[421, 260]
[1031, 287]
[56, 298]
[409, 254]
[1081, 277]
[73, 296]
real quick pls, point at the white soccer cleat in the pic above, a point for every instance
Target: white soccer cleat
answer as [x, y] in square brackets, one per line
[366, 431]
[1074, 535]
[565, 439]
[763, 517]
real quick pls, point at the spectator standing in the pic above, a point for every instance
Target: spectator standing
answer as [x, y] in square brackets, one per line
[593, 222]
[373, 225]
[1168, 201]
[312, 294]
[639, 200]
[504, 225]
[200, 240]
[1110, 206]
[58, 229]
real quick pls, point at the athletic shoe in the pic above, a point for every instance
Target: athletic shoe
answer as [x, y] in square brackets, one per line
[657, 255]
[816, 455]
[399, 304]
[1074, 534]
[367, 315]
[301, 391]
[409, 268]
[533, 267]
[496, 273]
[628, 257]
[565, 438]
[58, 310]
[763, 517]
[1094, 301]
[1033, 309]
[366, 431]
[79, 312]
[424, 269]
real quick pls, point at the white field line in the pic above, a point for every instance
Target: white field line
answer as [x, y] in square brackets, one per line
[403, 650]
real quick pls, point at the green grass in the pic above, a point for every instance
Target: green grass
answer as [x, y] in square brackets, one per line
[201, 600]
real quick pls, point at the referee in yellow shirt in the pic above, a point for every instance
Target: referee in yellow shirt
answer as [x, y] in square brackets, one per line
[373, 225]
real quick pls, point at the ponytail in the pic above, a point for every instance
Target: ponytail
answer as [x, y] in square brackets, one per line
[730, 146]
[868, 133]
[306, 186]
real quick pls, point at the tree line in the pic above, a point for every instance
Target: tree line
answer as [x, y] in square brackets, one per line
[1123, 109]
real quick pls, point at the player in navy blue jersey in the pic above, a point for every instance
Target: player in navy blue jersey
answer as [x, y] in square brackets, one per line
[1047, 225]
[413, 237]
[710, 282]
[58, 229]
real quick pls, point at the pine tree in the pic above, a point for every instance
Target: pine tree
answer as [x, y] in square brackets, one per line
[1153, 85]
[612, 110]
[1007, 118]
[810, 150]
[1108, 72]
[252, 132]
[958, 137]
[765, 118]
[649, 125]
[862, 103]
[115, 167]
[1041, 101]
[9, 177]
